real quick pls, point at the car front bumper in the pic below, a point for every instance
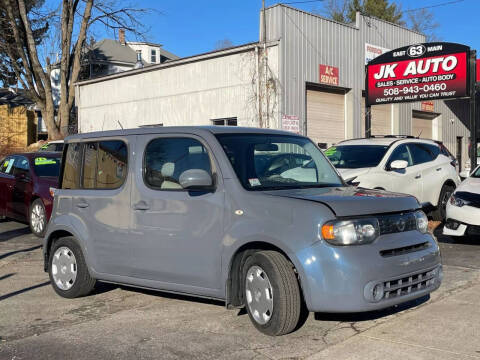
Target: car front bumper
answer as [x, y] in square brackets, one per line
[396, 268]
[462, 221]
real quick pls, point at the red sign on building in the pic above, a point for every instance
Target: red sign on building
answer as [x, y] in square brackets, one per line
[328, 75]
[427, 106]
[420, 72]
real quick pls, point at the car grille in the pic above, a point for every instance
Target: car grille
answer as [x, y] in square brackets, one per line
[472, 198]
[397, 223]
[408, 285]
[405, 249]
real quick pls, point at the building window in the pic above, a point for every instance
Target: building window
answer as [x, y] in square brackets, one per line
[153, 56]
[225, 122]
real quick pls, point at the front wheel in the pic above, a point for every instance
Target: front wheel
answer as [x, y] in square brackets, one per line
[271, 293]
[440, 213]
[38, 218]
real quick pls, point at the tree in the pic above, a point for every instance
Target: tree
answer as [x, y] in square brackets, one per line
[337, 10]
[423, 21]
[26, 19]
[223, 44]
[380, 9]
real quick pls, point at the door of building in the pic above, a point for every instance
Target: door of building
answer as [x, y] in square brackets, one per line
[459, 152]
[325, 116]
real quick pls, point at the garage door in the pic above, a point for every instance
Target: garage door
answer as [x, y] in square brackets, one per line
[381, 120]
[325, 116]
[421, 126]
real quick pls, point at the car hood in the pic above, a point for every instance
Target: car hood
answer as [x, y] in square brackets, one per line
[351, 201]
[348, 174]
[470, 185]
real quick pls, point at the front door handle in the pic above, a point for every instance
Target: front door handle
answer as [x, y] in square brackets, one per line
[82, 205]
[438, 169]
[418, 176]
[141, 205]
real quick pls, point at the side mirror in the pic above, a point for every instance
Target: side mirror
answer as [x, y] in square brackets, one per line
[398, 165]
[195, 179]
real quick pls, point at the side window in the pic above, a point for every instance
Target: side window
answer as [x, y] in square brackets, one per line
[89, 165]
[112, 164]
[420, 153]
[166, 159]
[71, 169]
[434, 150]
[401, 153]
[21, 166]
[7, 166]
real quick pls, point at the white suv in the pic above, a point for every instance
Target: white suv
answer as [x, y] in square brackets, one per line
[423, 168]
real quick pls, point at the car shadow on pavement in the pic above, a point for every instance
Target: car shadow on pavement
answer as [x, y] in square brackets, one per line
[8, 235]
[102, 287]
[371, 315]
[3, 256]
[18, 292]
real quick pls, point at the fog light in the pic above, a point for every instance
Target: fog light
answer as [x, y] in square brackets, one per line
[378, 292]
[452, 224]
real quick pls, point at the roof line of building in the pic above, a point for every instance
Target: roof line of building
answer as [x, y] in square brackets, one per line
[344, 24]
[181, 61]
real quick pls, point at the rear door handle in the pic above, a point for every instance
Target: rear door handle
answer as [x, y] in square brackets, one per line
[438, 169]
[418, 176]
[82, 205]
[141, 205]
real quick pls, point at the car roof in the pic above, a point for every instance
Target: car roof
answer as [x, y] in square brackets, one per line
[385, 141]
[180, 129]
[55, 142]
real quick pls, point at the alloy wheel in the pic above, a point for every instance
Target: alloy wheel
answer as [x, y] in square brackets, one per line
[37, 218]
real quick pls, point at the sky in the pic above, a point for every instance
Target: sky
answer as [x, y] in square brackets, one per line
[189, 27]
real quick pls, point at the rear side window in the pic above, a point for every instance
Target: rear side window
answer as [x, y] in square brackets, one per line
[111, 164]
[420, 153]
[167, 158]
[71, 169]
[434, 150]
[95, 165]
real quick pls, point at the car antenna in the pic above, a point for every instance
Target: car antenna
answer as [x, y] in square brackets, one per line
[119, 123]
[418, 137]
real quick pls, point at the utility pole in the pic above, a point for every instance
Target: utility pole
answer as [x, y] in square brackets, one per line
[265, 63]
[473, 111]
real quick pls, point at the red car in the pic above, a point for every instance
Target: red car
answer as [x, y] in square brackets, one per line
[26, 188]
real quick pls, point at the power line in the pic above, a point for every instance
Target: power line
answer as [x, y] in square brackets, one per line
[436, 5]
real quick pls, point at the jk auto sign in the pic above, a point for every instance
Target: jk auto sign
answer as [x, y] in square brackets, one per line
[419, 72]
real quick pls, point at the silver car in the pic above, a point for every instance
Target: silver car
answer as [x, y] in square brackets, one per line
[256, 218]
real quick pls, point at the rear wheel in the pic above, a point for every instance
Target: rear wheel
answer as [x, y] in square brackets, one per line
[38, 218]
[67, 269]
[440, 213]
[271, 292]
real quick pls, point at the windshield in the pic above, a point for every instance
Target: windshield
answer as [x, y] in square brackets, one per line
[356, 156]
[274, 162]
[47, 166]
[476, 173]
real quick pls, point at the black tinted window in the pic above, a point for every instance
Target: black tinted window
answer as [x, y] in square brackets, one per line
[420, 153]
[167, 158]
[401, 153]
[71, 169]
[21, 166]
[356, 156]
[434, 150]
[112, 164]
[46, 166]
[89, 165]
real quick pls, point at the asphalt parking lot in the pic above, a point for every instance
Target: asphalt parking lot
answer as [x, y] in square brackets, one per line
[125, 323]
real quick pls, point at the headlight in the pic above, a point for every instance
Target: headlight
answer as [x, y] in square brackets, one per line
[422, 221]
[456, 201]
[351, 232]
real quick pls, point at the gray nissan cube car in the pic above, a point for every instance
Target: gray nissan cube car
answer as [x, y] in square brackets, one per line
[256, 218]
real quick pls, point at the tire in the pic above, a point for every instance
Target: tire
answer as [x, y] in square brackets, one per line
[37, 218]
[69, 284]
[440, 213]
[276, 311]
